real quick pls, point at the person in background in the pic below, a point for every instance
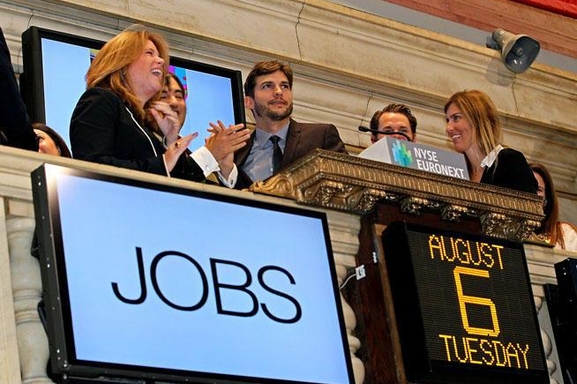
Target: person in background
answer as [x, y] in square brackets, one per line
[109, 125]
[175, 95]
[560, 234]
[474, 128]
[395, 120]
[269, 95]
[50, 142]
[15, 127]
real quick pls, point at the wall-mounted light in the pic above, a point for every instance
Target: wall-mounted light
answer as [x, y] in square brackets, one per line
[517, 51]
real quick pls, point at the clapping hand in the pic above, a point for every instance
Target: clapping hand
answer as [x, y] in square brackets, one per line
[176, 149]
[167, 121]
[223, 142]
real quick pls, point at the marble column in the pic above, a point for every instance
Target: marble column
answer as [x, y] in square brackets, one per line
[26, 290]
[344, 231]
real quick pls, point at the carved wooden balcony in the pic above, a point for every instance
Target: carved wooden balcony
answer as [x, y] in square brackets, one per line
[347, 183]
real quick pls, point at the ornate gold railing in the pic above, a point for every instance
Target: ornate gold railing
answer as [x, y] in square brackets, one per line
[346, 183]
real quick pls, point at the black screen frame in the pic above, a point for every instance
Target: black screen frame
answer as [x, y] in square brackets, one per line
[419, 365]
[56, 304]
[32, 84]
[32, 77]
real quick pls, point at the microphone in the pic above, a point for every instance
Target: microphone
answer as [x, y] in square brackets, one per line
[376, 132]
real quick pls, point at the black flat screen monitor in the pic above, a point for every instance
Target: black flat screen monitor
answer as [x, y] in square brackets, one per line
[144, 281]
[55, 65]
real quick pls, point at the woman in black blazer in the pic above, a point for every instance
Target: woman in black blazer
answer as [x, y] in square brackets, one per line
[473, 126]
[109, 123]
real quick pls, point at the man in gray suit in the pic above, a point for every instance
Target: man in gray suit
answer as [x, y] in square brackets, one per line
[277, 140]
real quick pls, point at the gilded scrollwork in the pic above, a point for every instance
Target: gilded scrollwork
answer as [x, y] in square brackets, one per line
[362, 200]
[527, 228]
[453, 212]
[347, 183]
[326, 194]
[413, 205]
[495, 224]
[280, 186]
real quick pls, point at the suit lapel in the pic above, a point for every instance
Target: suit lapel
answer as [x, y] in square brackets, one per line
[292, 143]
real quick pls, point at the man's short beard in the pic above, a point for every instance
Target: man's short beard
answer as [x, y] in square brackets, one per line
[262, 110]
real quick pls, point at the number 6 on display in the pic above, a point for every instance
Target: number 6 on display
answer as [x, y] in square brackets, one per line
[465, 299]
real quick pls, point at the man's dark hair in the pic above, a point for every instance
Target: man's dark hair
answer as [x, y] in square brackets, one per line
[265, 68]
[395, 108]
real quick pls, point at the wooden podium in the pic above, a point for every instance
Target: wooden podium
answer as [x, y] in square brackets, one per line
[381, 194]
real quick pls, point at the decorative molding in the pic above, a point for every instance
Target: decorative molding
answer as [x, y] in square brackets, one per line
[346, 183]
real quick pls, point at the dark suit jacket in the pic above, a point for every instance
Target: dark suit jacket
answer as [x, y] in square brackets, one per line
[14, 123]
[302, 138]
[511, 171]
[102, 130]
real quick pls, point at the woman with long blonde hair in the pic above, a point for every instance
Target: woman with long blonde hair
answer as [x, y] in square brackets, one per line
[473, 126]
[109, 124]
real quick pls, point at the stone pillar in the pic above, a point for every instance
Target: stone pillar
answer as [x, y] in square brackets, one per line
[351, 324]
[344, 232]
[26, 290]
[548, 341]
[9, 362]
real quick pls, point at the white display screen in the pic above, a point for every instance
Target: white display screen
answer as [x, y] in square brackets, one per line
[178, 280]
